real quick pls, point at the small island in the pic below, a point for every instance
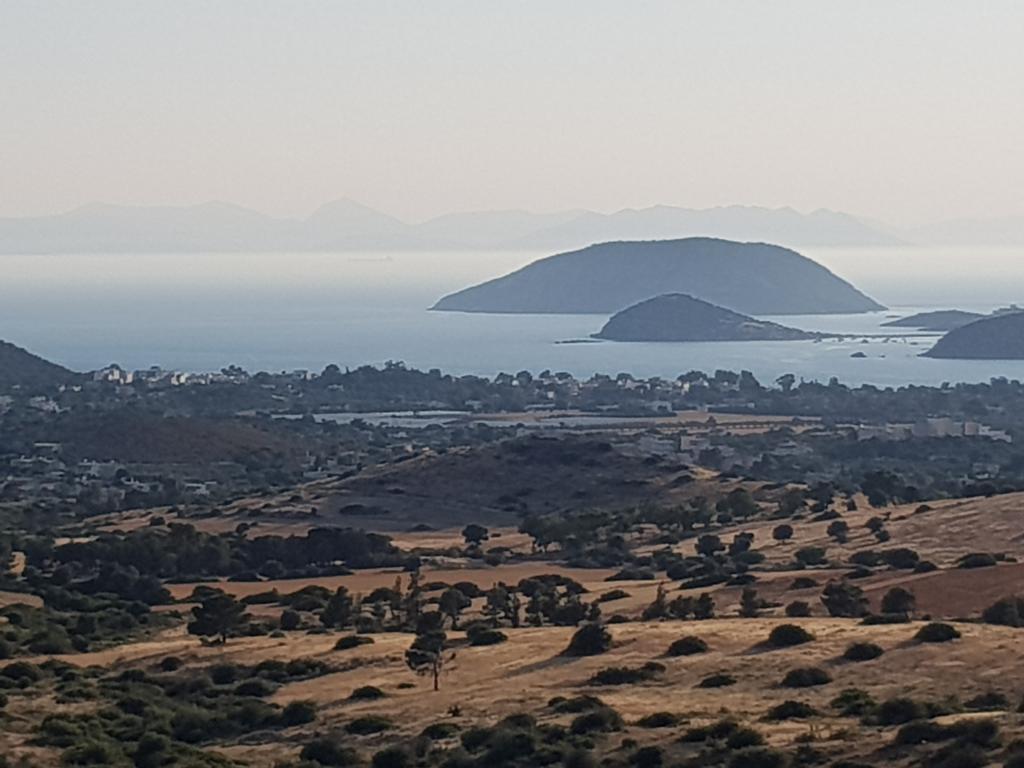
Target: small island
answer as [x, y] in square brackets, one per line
[942, 320]
[1000, 337]
[680, 317]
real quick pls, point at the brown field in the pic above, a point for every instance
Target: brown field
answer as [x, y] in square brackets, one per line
[522, 674]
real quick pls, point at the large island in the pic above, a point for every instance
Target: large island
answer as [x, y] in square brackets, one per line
[1000, 337]
[752, 278]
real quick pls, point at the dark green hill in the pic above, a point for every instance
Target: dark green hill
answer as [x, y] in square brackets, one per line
[678, 317]
[752, 278]
[20, 368]
[993, 338]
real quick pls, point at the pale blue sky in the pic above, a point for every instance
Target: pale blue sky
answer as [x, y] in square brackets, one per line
[906, 111]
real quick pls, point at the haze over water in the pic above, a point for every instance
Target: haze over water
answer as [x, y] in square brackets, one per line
[288, 311]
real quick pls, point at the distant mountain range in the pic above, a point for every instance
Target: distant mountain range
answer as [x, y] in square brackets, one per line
[347, 225]
[750, 278]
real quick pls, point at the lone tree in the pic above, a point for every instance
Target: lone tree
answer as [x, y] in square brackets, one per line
[704, 608]
[899, 601]
[217, 616]
[839, 530]
[339, 610]
[475, 535]
[452, 603]
[843, 599]
[589, 640]
[750, 605]
[708, 544]
[426, 654]
[782, 532]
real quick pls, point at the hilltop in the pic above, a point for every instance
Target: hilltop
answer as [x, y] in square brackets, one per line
[753, 278]
[993, 338]
[678, 317]
[20, 368]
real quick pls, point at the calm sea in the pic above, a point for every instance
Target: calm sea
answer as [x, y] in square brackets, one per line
[288, 311]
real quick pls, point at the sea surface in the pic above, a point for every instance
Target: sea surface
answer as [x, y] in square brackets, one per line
[273, 312]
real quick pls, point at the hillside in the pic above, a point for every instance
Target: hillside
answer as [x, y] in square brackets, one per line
[753, 278]
[20, 368]
[678, 317]
[993, 338]
[940, 320]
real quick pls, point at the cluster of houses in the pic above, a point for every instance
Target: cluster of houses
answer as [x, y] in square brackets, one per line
[936, 428]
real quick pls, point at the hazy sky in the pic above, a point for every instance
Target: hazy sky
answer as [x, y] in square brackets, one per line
[901, 110]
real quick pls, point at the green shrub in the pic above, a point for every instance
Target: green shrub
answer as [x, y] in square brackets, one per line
[937, 632]
[659, 720]
[439, 731]
[627, 675]
[352, 641]
[368, 724]
[298, 713]
[900, 710]
[687, 646]
[742, 738]
[589, 640]
[987, 702]
[366, 693]
[788, 635]
[576, 704]
[759, 757]
[602, 720]
[720, 680]
[329, 753]
[393, 757]
[486, 636]
[791, 710]
[806, 677]
[717, 731]
[863, 652]
[853, 702]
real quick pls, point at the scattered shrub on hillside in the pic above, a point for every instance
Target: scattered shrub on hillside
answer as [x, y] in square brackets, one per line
[328, 752]
[788, 635]
[758, 757]
[589, 640]
[806, 677]
[937, 632]
[791, 710]
[352, 641]
[483, 636]
[600, 720]
[798, 609]
[863, 652]
[991, 701]
[742, 738]
[720, 680]
[687, 646]
[853, 702]
[659, 720]
[576, 704]
[369, 724]
[366, 693]
[1007, 612]
[627, 675]
[977, 560]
